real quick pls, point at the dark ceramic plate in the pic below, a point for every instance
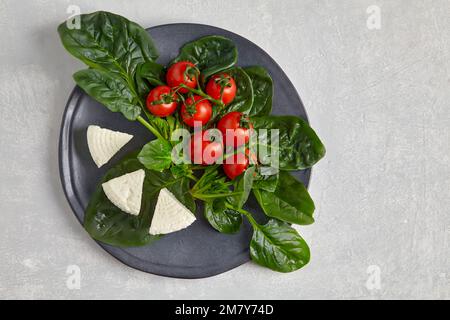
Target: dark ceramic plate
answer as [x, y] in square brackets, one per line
[198, 251]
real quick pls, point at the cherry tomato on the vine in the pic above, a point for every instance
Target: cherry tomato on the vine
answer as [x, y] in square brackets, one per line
[231, 125]
[236, 166]
[196, 111]
[221, 85]
[161, 101]
[183, 72]
[203, 150]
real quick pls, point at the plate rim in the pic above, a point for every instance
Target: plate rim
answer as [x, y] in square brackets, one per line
[65, 172]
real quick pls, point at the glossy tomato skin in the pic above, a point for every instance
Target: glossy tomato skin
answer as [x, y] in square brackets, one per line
[232, 122]
[176, 75]
[204, 151]
[202, 112]
[162, 109]
[237, 167]
[214, 87]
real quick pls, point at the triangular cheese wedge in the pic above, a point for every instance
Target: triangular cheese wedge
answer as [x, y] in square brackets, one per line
[170, 214]
[125, 192]
[104, 143]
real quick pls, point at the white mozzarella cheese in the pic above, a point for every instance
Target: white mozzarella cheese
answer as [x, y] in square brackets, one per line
[170, 214]
[125, 192]
[104, 143]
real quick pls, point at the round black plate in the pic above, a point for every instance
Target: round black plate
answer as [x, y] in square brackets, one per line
[198, 251]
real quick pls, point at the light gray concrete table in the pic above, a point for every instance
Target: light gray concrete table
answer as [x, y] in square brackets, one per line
[379, 98]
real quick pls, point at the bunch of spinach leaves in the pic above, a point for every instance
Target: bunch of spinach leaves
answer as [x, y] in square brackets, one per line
[122, 68]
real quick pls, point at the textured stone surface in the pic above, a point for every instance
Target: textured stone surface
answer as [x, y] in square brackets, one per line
[378, 98]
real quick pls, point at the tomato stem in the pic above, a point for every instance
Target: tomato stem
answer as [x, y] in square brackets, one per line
[202, 94]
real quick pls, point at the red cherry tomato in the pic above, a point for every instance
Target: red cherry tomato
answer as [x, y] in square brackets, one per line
[230, 125]
[196, 110]
[235, 165]
[183, 72]
[204, 151]
[161, 101]
[220, 82]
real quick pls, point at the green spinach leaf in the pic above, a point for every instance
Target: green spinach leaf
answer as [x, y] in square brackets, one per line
[110, 90]
[243, 100]
[180, 188]
[289, 202]
[156, 155]
[243, 185]
[210, 54]
[109, 42]
[153, 72]
[221, 218]
[148, 74]
[142, 87]
[299, 146]
[266, 182]
[262, 90]
[278, 246]
[108, 224]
